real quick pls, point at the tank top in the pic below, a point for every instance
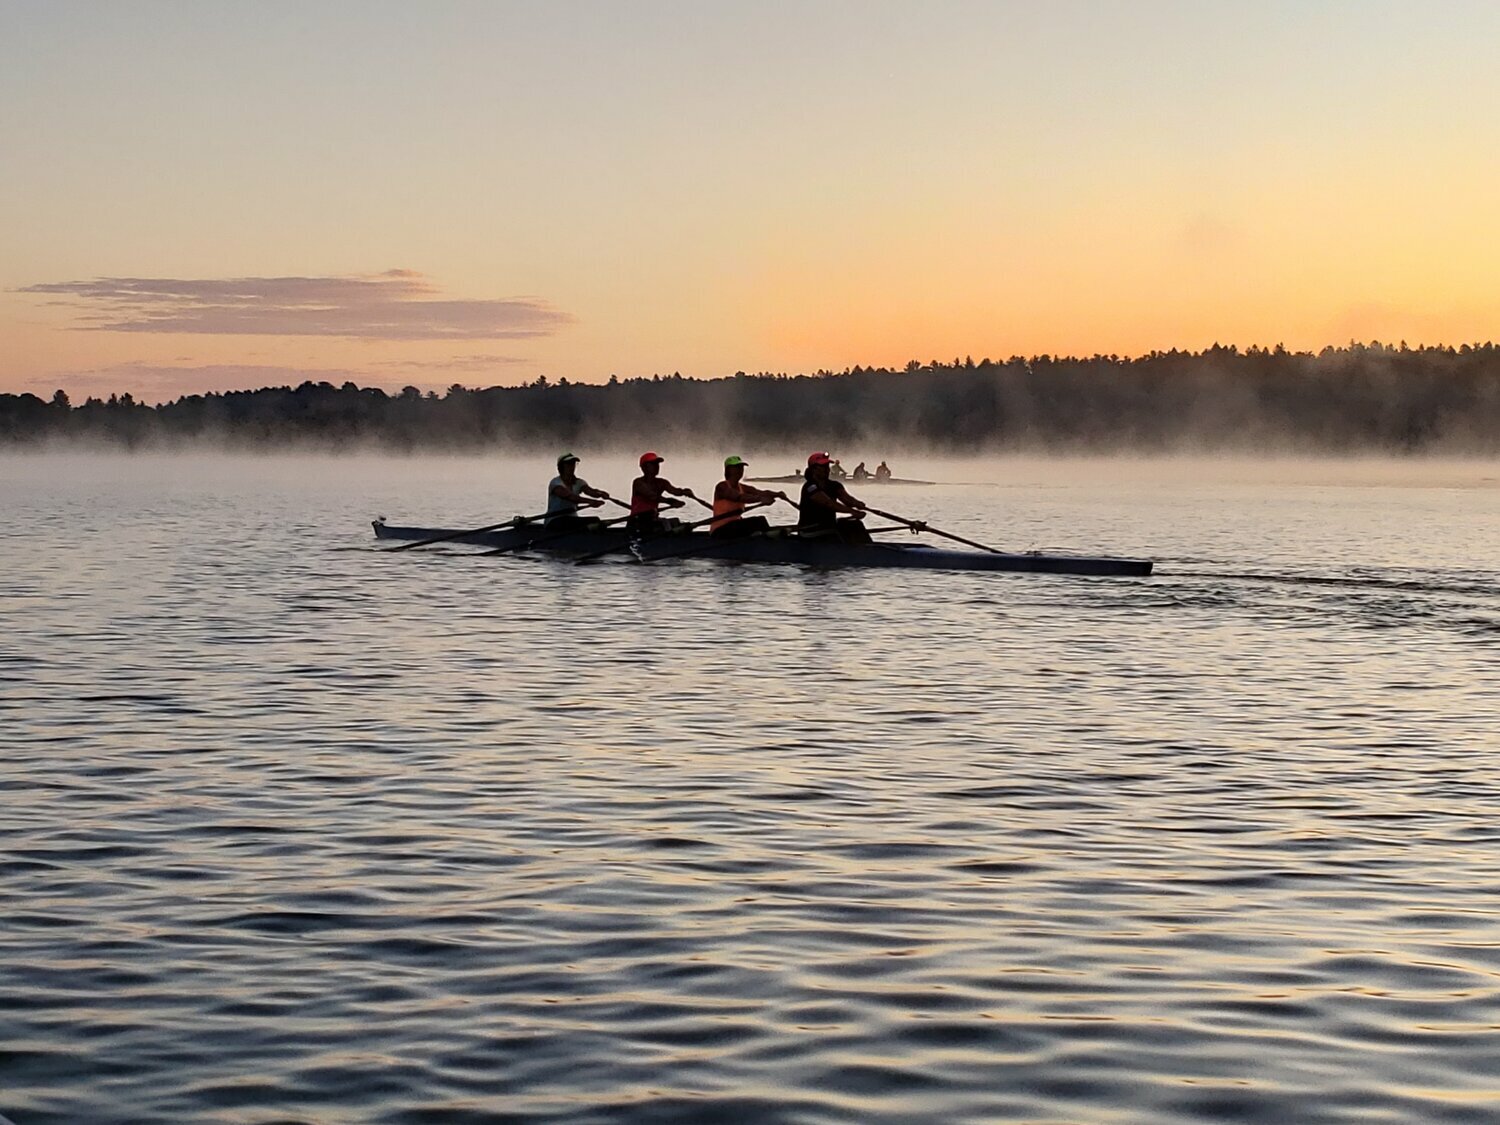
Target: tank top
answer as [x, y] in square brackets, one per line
[729, 502]
[645, 496]
[816, 515]
[556, 505]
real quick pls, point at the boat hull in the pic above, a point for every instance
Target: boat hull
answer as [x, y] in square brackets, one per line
[786, 550]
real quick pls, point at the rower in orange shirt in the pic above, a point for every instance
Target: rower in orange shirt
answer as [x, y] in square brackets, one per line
[730, 497]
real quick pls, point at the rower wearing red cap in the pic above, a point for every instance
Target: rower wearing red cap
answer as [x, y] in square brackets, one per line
[823, 499]
[647, 495]
[730, 497]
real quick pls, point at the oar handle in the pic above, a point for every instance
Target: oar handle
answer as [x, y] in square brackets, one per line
[936, 531]
[757, 504]
[700, 523]
[679, 504]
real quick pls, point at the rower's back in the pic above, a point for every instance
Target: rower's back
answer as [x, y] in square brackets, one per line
[813, 513]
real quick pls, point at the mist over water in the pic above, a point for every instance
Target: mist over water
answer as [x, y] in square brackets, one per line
[298, 830]
[1374, 398]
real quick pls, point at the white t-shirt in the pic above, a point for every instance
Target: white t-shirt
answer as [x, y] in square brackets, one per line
[556, 505]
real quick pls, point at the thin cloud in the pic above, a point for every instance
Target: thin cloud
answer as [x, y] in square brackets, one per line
[395, 305]
[160, 383]
[456, 363]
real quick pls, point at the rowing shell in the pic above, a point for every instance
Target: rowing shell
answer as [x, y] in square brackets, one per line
[788, 549]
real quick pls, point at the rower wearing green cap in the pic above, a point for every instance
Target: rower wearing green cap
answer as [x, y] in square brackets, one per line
[730, 497]
[567, 493]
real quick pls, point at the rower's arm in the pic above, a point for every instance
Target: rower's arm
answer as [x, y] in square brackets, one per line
[840, 501]
[599, 492]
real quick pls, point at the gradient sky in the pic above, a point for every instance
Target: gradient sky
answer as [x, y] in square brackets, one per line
[220, 195]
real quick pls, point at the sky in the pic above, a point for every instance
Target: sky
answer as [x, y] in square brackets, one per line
[217, 196]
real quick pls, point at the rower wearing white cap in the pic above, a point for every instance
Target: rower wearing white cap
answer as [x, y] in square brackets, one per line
[567, 493]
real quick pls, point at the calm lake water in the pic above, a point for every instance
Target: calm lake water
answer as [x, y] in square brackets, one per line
[296, 830]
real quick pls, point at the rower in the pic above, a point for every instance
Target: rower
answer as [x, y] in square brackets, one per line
[882, 473]
[837, 471]
[647, 495]
[730, 497]
[860, 472]
[566, 494]
[823, 498]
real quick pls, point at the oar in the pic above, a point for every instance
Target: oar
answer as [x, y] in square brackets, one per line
[514, 521]
[521, 546]
[556, 535]
[787, 533]
[793, 532]
[648, 539]
[928, 527]
[704, 548]
[701, 548]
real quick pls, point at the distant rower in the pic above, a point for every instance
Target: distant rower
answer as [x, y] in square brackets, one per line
[567, 493]
[730, 498]
[882, 473]
[646, 496]
[823, 498]
[860, 472]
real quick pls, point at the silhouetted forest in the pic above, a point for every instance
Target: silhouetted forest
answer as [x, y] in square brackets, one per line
[1372, 397]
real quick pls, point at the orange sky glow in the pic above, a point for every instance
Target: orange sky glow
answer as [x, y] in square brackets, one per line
[212, 198]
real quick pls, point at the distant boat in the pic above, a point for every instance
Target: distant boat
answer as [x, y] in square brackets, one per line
[796, 478]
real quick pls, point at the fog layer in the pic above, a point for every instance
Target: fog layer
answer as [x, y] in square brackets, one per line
[1361, 398]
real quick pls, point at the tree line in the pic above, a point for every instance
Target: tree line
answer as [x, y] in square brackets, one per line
[1364, 397]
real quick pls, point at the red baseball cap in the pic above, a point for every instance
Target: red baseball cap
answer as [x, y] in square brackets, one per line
[817, 459]
[647, 458]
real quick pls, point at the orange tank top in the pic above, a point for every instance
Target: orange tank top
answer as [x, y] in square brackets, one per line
[728, 504]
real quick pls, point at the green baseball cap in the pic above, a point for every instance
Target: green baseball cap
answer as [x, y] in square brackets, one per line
[566, 457]
[731, 462]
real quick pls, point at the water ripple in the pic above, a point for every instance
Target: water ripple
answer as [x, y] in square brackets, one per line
[301, 832]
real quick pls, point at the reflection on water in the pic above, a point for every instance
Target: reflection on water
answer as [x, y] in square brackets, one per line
[297, 830]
